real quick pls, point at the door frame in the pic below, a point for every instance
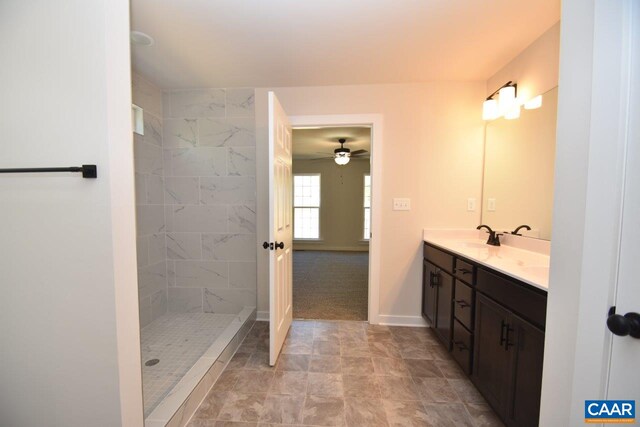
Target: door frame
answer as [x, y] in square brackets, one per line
[375, 122]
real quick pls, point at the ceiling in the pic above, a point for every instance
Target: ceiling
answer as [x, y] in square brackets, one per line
[313, 143]
[257, 43]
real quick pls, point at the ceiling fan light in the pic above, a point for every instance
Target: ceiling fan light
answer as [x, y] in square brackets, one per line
[342, 158]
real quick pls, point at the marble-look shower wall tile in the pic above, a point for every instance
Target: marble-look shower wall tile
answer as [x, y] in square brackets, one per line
[155, 191]
[181, 191]
[228, 301]
[242, 219]
[184, 246]
[184, 300]
[141, 189]
[201, 274]
[144, 307]
[150, 219]
[230, 190]
[157, 248]
[152, 279]
[152, 129]
[200, 161]
[232, 132]
[147, 158]
[240, 102]
[142, 250]
[180, 133]
[191, 218]
[229, 247]
[241, 161]
[146, 95]
[197, 103]
[158, 304]
[242, 275]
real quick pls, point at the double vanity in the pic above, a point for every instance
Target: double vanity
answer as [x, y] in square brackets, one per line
[487, 304]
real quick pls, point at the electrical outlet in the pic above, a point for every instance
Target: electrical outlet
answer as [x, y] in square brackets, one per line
[491, 205]
[471, 204]
[401, 204]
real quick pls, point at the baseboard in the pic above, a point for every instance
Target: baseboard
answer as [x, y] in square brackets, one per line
[262, 316]
[389, 320]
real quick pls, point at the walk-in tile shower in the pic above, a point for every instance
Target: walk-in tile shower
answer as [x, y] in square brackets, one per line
[196, 235]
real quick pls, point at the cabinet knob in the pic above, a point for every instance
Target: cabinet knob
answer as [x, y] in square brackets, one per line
[620, 325]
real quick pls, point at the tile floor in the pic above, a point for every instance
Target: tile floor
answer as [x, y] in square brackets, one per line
[344, 373]
[177, 340]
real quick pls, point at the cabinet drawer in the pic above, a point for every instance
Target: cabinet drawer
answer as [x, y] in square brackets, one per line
[439, 258]
[463, 304]
[464, 271]
[516, 296]
[462, 346]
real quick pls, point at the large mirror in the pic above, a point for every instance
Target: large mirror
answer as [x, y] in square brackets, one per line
[518, 170]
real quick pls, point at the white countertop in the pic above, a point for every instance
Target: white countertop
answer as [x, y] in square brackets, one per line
[522, 258]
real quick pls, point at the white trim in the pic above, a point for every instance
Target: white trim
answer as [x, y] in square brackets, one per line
[262, 316]
[389, 320]
[375, 121]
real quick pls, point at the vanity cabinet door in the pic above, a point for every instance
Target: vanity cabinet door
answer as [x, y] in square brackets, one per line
[429, 292]
[491, 366]
[444, 315]
[526, 383]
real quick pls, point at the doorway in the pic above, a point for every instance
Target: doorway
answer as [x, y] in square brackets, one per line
[332, 222]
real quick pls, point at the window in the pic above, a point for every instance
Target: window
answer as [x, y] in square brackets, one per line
[367, 206]
[306, 206]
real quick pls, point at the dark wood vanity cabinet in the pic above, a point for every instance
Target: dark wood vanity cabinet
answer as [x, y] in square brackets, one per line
[494, 327]
[509, 350]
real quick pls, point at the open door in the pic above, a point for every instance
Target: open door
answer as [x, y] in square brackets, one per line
[280, 228]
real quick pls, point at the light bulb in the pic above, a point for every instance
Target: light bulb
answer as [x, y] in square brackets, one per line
[490, 110]
[342, 159]
[507, 98]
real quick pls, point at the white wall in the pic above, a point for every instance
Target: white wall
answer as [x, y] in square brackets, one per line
[68, 312]
[535, 69]
[432, 154]
[341, 204]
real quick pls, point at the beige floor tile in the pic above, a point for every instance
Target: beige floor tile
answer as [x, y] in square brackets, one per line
[435, 390]
[450, 369]
[293, 362]
[405, 413]
[423, 368]
[326, 348]
[253, 381]
[211, 405]
[259, 361]
[389, 366]
[467, 392]
[361, 386]
[282, 409]
[323, 411]
[447, 415]
[357, 365]
[325, 385]
[360, 412]
[238, 361]
[482, 415]
[398, 388]
[325, 364]
[226, 380]
[242, 407]
[289, 383]
[384, 349]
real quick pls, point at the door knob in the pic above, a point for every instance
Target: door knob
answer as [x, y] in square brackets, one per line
[267, 245]
[620, 325]
[279, 245]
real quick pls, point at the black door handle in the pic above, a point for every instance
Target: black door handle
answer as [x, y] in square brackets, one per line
[503, 325]
[462, 303]
[279, 245]
[620, 325]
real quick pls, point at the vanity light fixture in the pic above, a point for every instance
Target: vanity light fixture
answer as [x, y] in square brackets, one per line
[533, 103]
[507, 103]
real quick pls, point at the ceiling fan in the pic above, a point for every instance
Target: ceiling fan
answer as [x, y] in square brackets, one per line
[342, 155]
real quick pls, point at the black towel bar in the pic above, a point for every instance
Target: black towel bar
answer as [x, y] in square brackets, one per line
[88, 171]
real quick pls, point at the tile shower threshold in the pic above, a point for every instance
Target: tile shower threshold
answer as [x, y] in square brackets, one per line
[178, 405]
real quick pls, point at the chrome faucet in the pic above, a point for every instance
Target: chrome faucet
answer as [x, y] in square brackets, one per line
[515, 232]
[494, 238]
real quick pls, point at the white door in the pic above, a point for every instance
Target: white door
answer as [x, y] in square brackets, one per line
[624, 375]
[280, 228]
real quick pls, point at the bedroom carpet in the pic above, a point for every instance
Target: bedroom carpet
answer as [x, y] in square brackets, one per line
[330, 285]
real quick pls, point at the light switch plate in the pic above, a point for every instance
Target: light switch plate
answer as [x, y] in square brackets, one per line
[491, 205]
[471, 204]
[401, 204]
